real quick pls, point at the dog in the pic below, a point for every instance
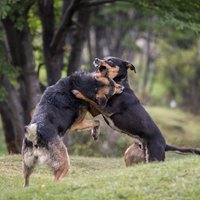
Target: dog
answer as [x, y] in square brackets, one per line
[125, 113]
[57, 111]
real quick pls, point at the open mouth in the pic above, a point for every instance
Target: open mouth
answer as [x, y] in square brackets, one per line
[99, 67]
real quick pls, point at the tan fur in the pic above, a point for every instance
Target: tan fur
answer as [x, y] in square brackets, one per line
[83, 124]
[56, 158]
[134, 154]
[94, 125]
[113, 71]
[102, 92]
[104, 80]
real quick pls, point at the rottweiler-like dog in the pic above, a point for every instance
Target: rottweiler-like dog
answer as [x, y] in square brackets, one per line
[125, 113]
[57, 111]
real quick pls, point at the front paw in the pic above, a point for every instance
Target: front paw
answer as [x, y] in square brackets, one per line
[77, 94]
[95, 132]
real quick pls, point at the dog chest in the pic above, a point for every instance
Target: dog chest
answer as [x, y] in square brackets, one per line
[111, 123]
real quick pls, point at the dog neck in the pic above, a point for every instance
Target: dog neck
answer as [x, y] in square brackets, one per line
[123, 81]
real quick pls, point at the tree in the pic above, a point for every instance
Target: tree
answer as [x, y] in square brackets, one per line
[23, 93]
[53, 34]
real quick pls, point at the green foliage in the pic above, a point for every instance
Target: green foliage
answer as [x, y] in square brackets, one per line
[16, 10]
[177, 65]
[34, 21]
[105, 179]
[181, 14]
[6, 6]
[57, 11]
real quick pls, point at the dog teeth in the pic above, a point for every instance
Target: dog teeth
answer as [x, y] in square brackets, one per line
[95, 64]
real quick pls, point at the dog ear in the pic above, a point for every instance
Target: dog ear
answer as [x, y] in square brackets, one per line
[130, 66]
[102, 101]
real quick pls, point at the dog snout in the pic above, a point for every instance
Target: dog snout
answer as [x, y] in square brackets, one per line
[97, 62]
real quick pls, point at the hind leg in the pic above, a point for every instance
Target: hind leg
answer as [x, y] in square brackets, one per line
[29, 160]
[156, 150]
[27, 171]
[59, 159]
[61, 172]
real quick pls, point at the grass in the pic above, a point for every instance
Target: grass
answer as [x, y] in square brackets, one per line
[108, 179]
[178, 127]
[105, 179]
[2, 141]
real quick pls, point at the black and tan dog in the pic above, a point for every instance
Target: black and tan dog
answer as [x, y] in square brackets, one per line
[125, 113]
[57, 111]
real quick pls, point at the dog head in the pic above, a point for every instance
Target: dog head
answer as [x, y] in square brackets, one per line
[106, 88]
[114, 68]
[92, 87]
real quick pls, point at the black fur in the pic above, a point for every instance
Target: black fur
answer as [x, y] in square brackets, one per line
[57, 110]
[130, 117]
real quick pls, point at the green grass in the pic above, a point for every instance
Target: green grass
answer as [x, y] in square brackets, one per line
[3, 150]
[178, 127]
[105, 179]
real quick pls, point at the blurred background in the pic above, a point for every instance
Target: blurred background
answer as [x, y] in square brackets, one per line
[44, 40]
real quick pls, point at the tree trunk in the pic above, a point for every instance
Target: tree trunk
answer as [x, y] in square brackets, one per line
[79, 39]
[8, 128]
[148, 61]
[53, 60]
[21, 102]
[12, 117]
[21, 53]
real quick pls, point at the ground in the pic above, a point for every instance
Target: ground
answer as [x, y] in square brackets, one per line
[105, 179]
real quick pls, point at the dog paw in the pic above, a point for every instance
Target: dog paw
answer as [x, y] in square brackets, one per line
[95, 132]
[77, 94]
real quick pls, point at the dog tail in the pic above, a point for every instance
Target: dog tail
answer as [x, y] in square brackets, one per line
[31, 133]
[182, 150]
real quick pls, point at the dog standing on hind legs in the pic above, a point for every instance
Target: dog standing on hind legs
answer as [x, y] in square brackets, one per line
[54, 154]
[125, 113]
[57, 111]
